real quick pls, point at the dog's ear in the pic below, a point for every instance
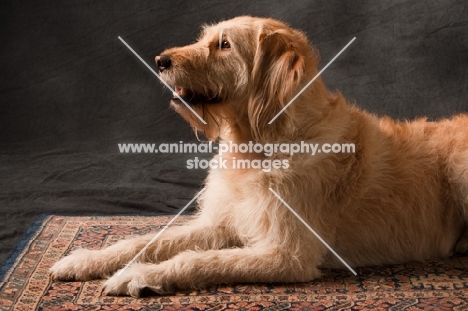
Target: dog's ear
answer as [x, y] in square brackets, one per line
[278, 68]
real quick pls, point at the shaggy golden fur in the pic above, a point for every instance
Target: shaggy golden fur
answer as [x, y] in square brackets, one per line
[402, 196]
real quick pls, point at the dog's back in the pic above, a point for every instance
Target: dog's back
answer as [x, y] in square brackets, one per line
[407, 191]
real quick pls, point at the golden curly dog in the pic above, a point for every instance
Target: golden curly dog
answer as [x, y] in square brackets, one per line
[402, 196]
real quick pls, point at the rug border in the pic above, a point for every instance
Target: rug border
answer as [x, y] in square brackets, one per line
[22, 244]
[36, 225]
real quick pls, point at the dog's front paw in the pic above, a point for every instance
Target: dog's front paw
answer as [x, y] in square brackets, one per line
[78, 266]
[118, 285]
[136, 280]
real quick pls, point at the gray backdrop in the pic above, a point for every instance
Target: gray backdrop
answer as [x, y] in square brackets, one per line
[70, 90]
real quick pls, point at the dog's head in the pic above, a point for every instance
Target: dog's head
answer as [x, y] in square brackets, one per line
[238, 76]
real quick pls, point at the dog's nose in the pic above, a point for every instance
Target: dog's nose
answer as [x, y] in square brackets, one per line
[163, 62]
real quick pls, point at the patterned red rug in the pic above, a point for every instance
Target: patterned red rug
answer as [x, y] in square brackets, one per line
[26, 285]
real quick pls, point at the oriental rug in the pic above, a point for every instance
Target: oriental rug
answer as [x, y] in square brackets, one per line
[25, 283]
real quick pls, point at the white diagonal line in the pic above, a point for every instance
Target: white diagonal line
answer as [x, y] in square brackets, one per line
[313, 79]
[160, 232]
[313, 231]
[159, 77]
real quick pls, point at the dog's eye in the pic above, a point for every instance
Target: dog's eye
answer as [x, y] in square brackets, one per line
[225, 45]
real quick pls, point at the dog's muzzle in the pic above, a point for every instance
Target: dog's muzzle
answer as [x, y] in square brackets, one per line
[191, 97]
[163, 62]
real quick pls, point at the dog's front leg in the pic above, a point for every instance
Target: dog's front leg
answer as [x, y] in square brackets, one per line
[84, 264]
[194, 270]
